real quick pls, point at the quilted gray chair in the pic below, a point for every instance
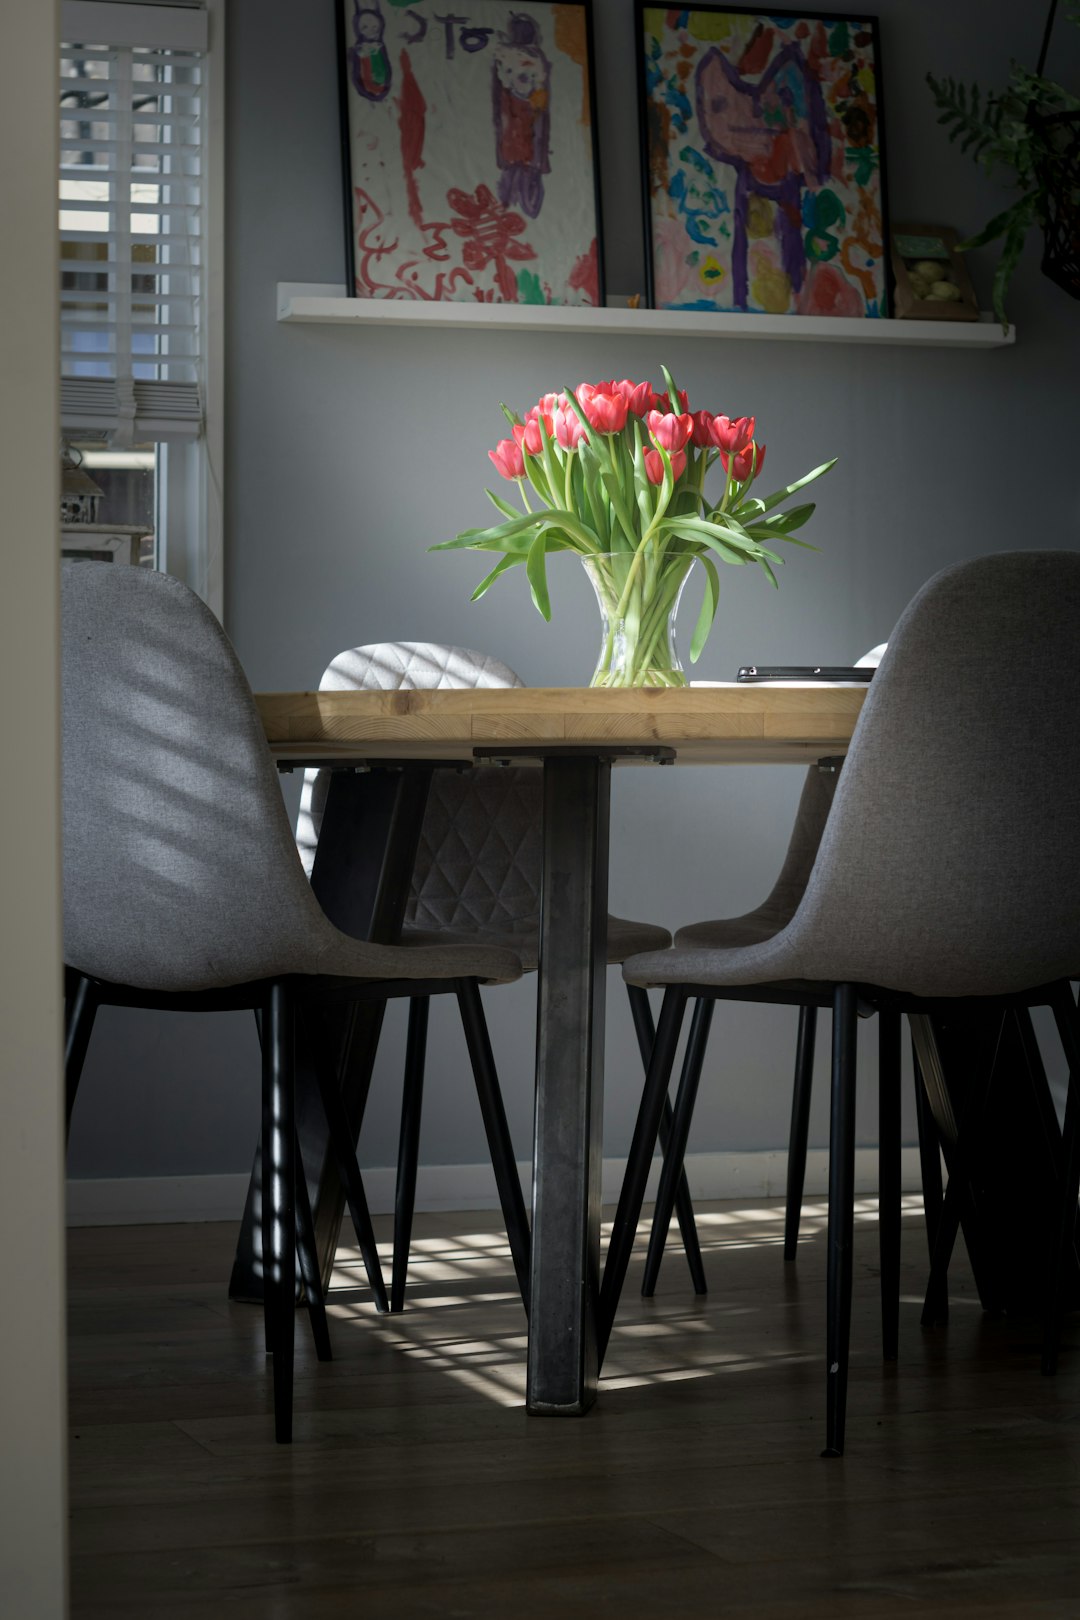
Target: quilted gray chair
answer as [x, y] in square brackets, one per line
[476, 879]
[182, 885]
[947, 870]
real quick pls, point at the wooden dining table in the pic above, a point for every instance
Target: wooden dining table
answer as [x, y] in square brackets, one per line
[384, 747]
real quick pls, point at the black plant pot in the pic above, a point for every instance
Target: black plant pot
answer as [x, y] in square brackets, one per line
[1061, 179]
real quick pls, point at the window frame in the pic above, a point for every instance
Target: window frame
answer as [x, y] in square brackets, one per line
[190, 516]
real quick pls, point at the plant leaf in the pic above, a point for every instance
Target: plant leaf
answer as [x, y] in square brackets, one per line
[780, 523]
[1015, 238]
[502, 506]
[512, 561]
[691, 528]
[998, 226]
[767, 502]
[536, 569]
[709, 605]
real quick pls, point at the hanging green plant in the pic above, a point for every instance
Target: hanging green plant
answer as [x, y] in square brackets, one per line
[1030, 129]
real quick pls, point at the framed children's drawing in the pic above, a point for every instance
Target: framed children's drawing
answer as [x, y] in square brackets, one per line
[763, 161]
[470, 151]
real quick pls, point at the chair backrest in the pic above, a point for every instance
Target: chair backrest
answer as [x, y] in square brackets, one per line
[180, 870]
[478, 862]
[950, 862]
[815, 802]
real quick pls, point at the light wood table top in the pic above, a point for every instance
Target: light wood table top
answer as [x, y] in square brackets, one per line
[727, 723]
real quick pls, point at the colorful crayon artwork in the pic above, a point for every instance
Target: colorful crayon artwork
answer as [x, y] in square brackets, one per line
[763, 155]
[470, 152]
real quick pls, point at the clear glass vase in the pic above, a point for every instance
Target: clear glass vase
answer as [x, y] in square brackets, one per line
[638, 596]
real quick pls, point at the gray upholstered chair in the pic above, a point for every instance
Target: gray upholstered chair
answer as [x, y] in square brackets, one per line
[183, 889]
[767, 919]
[476, 879]
[947, 871]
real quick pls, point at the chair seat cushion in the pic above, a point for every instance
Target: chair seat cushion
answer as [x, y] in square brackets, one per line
[728, 933]
[624, 939]
[440, 958]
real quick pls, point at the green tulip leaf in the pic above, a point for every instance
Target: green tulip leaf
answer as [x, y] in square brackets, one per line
[536, 570]
[782, 522]
[761, 504]
[709, 605]
[489, 579]
[502, 506]
[691, 528]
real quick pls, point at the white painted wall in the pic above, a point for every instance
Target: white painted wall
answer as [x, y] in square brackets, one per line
[33, 1415]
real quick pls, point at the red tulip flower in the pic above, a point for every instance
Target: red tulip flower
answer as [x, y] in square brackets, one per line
[732, 434]
[662, 402]
[508, 459]
[702, 435]
[670, 432]
[747, 464]
[606, 412]
[654, 465]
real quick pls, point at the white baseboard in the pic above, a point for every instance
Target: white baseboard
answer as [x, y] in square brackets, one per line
[149, 1200]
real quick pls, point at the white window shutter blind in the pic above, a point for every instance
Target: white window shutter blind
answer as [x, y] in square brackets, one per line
[131, 220]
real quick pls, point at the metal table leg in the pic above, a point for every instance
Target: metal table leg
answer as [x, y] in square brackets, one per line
[564, 1286]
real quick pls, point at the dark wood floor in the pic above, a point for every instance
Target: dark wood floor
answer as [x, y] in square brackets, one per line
[417, 1485]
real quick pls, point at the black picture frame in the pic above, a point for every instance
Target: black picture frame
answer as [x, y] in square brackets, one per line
[431, 273]
[837, 276]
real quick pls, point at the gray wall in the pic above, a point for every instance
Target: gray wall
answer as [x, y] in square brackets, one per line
[349, 453]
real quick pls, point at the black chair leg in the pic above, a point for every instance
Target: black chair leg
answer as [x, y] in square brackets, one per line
[412, 1102]
[960, 1198]
[800, 1127]
[1068, 1024]
[80, 1010]
[645, 1029]
[498, 1134]
[930, 1169]
[309, 1265]
[640, 1158]
[279, 1197]
[349, 1172]
[680, 1132]
[841, 1213]
[889, 1178]
[936, 1298]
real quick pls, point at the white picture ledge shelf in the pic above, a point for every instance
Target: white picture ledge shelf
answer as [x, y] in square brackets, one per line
[304, 302]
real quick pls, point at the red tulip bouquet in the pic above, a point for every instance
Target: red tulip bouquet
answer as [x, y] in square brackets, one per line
[616, 473]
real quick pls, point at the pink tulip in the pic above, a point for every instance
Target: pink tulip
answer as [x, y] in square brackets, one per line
[527, 433]
[732, 433]
[508, 459]
[638, 396]
[547, 405]
[568, 429]
[606, 412]
[747, 464]
[654, 465]
[670, 432]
